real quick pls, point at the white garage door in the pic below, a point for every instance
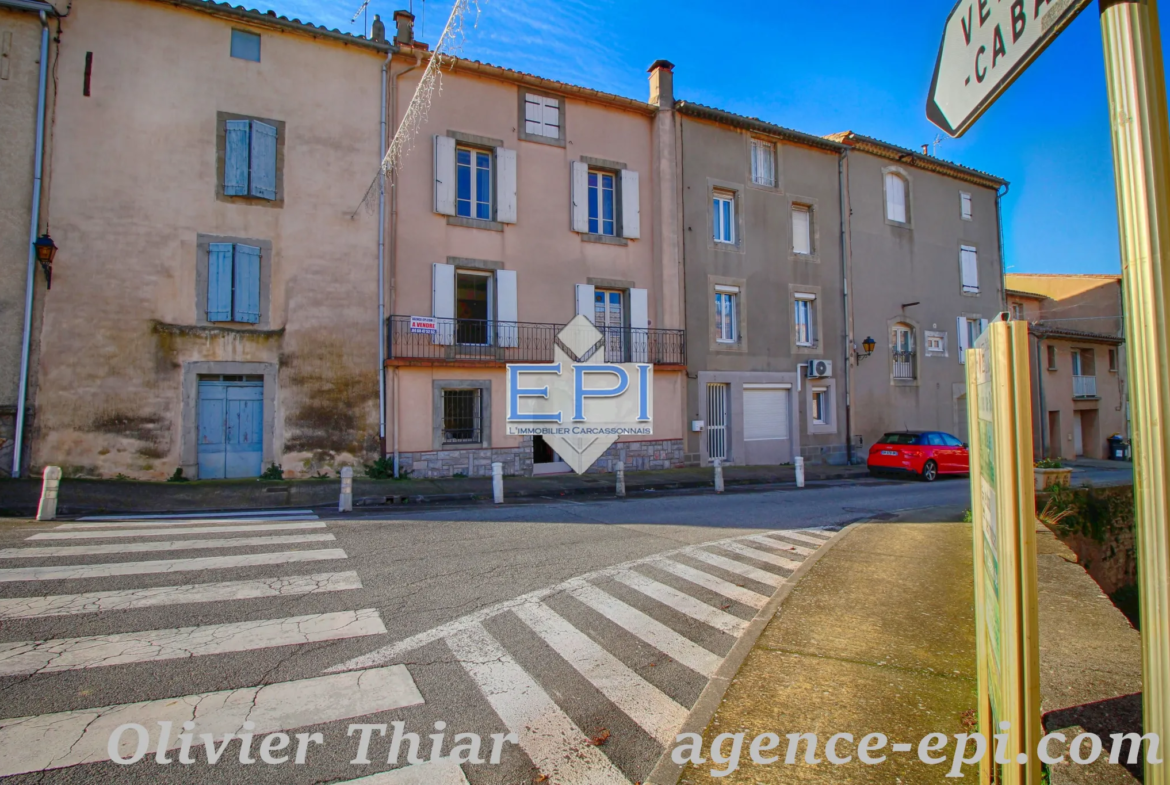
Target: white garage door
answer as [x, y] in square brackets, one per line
[765, 413]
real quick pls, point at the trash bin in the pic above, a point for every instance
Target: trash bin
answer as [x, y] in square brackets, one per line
[1116, 447]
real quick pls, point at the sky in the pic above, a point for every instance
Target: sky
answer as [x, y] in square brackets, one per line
[821, 68]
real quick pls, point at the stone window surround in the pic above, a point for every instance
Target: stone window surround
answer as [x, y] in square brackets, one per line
[831, 390]
[221, 119]
[917, 331]
[905, 175]
[485, 143]
[819, 338]
[527, 137]
[736, 189]
[926, 350]
[202, 250]
[741, 342]
[776, 167]
[189, 418]
[814, 229]
[485, 412]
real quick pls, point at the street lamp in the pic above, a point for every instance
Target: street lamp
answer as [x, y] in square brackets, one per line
[869, 344]
[46, 249]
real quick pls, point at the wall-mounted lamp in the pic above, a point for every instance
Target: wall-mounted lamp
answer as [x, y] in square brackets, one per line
[868, 345]
[46, 249]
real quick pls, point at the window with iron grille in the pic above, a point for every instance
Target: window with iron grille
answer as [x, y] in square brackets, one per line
[462, 417]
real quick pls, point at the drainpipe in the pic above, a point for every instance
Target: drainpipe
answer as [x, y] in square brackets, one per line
[1002, 262]
[846, 252]
[22, 388]
[382, 267]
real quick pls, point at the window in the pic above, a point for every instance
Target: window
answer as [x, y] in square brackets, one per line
[805, 319]
[473, 307]
[725, 314]
[969, 269]
[1113, 361]
[462, 416]
[902, 348]
[965, 205]
[249, 161]
[233, 283]
[245, 45]
[1018, 312]
[936, 343]
[763, 163]
[542, 116]
[473, 177]
[609, 316]
[1051, 358]
[601, 203]
[820, 406]
[801, 229]
[896, 198]
[723, 217]
[974, 330]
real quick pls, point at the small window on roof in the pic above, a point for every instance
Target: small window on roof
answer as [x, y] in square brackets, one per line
[246, 45]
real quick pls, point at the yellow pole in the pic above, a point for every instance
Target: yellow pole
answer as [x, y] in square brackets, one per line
[1141, 164]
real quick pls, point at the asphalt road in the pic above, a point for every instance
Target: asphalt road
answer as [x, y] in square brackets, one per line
[588, 629]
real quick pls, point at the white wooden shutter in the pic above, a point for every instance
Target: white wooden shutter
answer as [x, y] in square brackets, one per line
[505, 185]
[585, 305]
[801, 231]
[969, 268]
[533, 114]
[580, 199]
[765, 413]
[551, 117]
[444, 175]
[639, 326]
[631, 207]
[443, 302]
[507, 331]
[961, 328]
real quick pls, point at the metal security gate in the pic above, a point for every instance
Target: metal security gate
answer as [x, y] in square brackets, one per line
[717, 421]
[231, 427]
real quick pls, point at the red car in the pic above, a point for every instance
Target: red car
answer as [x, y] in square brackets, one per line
[924, 453]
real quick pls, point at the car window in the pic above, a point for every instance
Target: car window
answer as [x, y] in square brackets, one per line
[899, 438]
[951, 440]
[935, 439]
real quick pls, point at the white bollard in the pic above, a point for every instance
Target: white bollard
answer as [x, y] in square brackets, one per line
[345, 503]
[799, 472]
[621, 479]
[498, 482]
[718, 475]
[47, 511]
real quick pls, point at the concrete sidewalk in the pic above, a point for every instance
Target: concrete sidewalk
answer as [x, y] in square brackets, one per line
[879, 637]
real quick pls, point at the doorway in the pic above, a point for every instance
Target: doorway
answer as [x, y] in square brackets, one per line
[231, 426]
[1078, 435]
[717, 421]
[545, 459]
[609, 316]
[473, 307]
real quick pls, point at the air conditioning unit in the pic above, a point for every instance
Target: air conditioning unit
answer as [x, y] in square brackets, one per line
[819, 369]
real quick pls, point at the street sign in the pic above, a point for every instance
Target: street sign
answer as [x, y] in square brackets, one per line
[986, 44]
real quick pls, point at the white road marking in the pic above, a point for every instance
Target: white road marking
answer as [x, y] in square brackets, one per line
[645, 704]
[803, 537]
[165, 565]
[737, 567]
[649, 630]
[717, 585]
[166, 516]
[554, 743]
[758, 555]
[96, 651]
[784, 546]
[683, 603]
[33, 552]
[69, 738]
[184, 522]
[96, 602]
[104, 535]
[441, 772]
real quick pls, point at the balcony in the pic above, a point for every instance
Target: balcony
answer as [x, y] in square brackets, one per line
[904, 363]
[1084, 386]
[479, 342]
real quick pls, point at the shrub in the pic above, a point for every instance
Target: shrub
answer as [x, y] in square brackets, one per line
[273, 472]
[1049, 463]
[178, 476]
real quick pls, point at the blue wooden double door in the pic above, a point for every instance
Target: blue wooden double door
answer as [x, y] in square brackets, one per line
[231, 427]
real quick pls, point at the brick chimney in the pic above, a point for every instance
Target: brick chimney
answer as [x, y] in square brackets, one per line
[662, 84]
[404, 20]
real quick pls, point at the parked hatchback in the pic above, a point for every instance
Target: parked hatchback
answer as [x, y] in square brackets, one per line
[924, 453]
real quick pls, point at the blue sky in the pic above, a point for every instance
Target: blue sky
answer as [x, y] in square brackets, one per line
[821, 68]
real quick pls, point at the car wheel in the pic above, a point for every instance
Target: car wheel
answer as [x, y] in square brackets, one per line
[930, 471]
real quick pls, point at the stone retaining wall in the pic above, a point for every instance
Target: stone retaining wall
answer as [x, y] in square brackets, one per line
[638, 456]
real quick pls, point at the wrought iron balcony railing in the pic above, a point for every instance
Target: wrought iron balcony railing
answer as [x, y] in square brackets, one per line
[904, 363]
[453, 340]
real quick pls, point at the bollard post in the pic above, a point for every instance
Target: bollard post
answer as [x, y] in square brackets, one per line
[47, 511]
[718, 475]
[498, 482]
[345, 503]
[621, 479]
[799, 471]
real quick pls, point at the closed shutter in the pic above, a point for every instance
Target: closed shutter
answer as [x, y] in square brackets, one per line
[263, 161]
[235, 159]
[969, 268]
[444, 175]
[507, 314]
[443, 302]
[639, 326]
[533, 114]
[801, 238]
[765, 413]
[505, 185]
[631, 208]
[219, 282]
[585, 305]
[580, 198]
[246, 304]
[961, 329]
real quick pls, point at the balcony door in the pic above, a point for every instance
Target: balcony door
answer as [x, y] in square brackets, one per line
[609, 316]
[473, 307]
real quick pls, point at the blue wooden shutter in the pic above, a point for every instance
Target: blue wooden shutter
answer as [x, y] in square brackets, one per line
[235, 160]
[247, 280]
[219, 282]
[263, 160]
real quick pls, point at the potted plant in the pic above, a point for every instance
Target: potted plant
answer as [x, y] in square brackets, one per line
[1049, 472]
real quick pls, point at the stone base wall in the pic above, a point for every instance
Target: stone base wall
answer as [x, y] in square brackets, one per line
[826, 454]
[641, 456]
[436, 464]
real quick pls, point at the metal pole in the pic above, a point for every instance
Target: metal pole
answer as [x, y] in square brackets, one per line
[1141, 164]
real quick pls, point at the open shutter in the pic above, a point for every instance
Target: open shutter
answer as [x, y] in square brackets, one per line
[444, 175]
[507, 314]
[580, 199]
[585, 305]
[246, 307]
[639, 326]
[961, 328]
[263, 160]
[631, 207]
[505, 185]
[235, 159]
[443, 303]
[219, 282]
